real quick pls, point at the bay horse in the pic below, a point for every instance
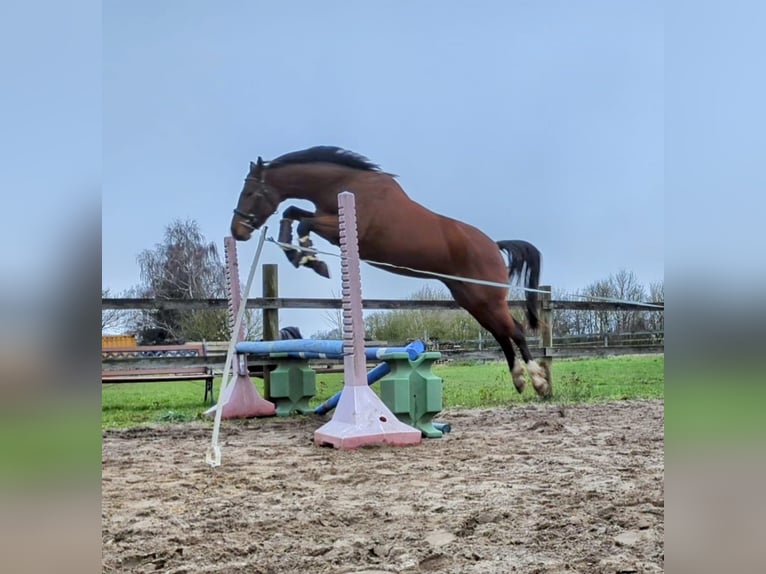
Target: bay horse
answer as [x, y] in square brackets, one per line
[397, 231]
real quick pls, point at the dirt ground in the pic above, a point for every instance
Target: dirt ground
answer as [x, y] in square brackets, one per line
[524, 489]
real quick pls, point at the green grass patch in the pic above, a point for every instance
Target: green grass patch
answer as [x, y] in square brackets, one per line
[127, 405]
[465, 385]
[574, 381]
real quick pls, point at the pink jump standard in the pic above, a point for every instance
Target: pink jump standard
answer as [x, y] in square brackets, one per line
[240, 399]
[361, 418]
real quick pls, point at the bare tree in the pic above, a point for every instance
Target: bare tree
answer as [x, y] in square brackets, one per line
[183, 266]
[568, 321]
[656, 319]
[253, 325]
[627, 287]
[600, 321]
[333, 318]
[111, 319]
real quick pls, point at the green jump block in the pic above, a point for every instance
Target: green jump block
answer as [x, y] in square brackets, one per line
[293, 384]
[412, 391]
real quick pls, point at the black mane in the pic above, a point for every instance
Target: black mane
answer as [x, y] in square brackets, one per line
[325, 154]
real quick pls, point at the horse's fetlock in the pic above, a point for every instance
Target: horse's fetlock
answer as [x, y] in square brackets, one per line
[306, 259]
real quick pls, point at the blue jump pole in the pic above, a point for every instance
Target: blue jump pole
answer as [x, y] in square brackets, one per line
[414, 350]
[316, 349]
[318, 346]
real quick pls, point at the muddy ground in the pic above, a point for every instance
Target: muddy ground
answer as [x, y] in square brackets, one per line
[524, 489]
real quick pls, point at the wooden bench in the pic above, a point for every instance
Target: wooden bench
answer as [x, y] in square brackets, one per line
[140, 369]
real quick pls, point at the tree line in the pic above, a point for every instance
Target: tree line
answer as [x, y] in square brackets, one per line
[624, 286]
[457, 326]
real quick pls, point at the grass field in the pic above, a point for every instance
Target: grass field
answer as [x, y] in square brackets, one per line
[466, 385]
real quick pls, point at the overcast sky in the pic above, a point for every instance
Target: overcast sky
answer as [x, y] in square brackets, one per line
[532, 120]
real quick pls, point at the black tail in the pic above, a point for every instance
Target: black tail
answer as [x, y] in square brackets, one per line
[524, 265]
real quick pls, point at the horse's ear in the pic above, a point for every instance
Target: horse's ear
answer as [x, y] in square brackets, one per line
[256, 169]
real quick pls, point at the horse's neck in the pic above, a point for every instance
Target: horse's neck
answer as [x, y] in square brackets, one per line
[312, 182]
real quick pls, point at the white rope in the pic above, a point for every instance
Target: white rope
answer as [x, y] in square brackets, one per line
[213, 456]
[290, 246]
[432, 273]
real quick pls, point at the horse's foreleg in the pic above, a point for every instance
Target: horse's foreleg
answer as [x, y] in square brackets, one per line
[286, 236]
[290, 215]
[296, 213]
[308, 259]
[323, 225]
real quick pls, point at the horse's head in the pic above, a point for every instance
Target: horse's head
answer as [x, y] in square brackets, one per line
[256, 203]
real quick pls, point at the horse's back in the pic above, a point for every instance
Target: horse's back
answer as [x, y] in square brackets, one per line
[395, 229]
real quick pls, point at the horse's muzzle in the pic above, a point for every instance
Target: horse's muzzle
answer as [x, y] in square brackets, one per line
[241, 232]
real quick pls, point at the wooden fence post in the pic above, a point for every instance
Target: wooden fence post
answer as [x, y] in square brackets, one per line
[546, 331]
[270, 318]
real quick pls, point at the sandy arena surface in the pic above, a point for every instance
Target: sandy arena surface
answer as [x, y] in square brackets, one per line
[528, 489]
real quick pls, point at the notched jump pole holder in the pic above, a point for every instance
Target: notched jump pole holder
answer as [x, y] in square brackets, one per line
[360, 418]
[240, 399]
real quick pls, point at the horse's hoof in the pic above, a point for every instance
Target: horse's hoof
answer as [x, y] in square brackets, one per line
[320, 267]
[539, 379]
[542, 387]
[295, 259]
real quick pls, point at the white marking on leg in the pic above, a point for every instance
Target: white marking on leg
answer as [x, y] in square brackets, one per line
[517, 374]
[539, 379]
[306, 258]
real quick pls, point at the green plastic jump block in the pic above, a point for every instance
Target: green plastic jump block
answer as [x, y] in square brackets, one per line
[293, 384]
[412, 392]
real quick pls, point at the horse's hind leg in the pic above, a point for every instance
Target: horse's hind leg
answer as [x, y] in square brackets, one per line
[517, 371]
[539, 377]
[495, 318]
[507, 330]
